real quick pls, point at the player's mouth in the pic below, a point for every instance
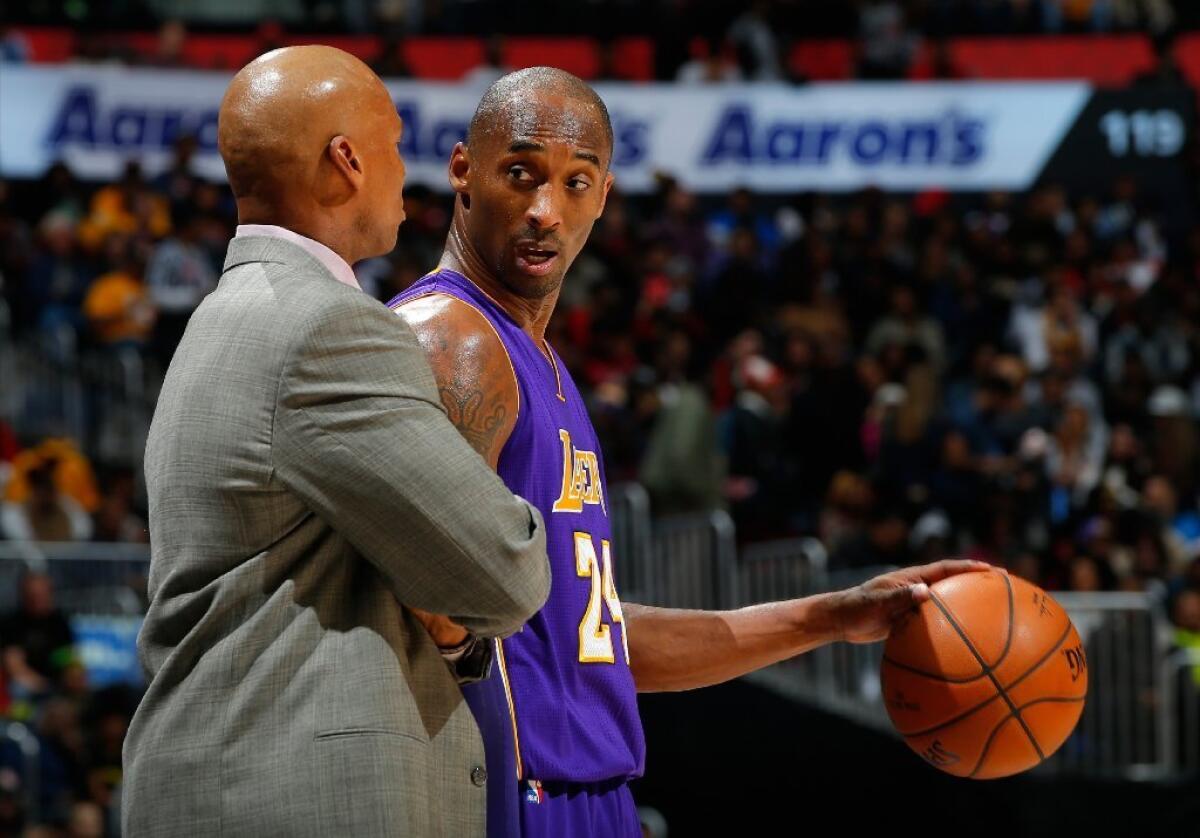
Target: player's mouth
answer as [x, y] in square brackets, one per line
[535, 260]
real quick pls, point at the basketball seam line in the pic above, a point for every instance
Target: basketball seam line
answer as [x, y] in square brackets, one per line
[1000, 660]
[932, 675]
[988, 670]
[1011, 620]
[1058, 645]
[987, 746]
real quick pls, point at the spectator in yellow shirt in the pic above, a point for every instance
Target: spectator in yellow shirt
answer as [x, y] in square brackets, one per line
[129, 206]
[117, 307]
[1186, 616]
[73, 474]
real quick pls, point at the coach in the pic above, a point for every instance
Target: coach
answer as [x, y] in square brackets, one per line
[307, 495]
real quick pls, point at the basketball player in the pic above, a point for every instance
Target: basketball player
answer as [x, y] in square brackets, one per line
[560, 723]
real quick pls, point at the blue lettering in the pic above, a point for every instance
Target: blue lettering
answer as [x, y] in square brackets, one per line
[629, 142]
[422, 141]
[968, 142]
[412, 129]
[924, 136]
[128, 128]
[945, 139]
[732, 138]
[205, 131]
[870, 143]
[785, 143]
[170, 128]
[825, 140]
[445, 136]
[76, 119]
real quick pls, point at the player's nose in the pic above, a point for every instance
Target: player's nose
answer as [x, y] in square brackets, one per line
[545, 210]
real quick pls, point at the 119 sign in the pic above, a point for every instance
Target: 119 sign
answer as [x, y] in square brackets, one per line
[1143, 133]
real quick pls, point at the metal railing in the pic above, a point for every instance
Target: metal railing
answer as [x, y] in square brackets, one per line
[1123, 732]
[27, 745]
[795, 567]
[92, 582]
[102, 399]
[691, 563]
[684, 561]
[1180, 679]
[8, 364]
[629, 511]
[95, 579]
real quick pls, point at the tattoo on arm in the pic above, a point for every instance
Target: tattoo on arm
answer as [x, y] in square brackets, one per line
[478, 422]
[476, 384]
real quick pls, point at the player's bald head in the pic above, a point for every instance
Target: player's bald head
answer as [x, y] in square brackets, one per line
[545, 98]
[282, 109]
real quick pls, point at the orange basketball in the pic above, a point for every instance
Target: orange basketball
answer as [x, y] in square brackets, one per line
[987, 678]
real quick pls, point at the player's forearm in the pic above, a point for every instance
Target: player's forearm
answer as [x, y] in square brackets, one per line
[675, 649]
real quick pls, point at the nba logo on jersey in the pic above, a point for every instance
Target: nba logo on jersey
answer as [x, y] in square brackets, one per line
[534, 793]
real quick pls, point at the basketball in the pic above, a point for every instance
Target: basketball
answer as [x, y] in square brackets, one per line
[985, 679]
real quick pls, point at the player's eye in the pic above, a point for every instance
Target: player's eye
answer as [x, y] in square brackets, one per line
[579, 184]
[520, 174]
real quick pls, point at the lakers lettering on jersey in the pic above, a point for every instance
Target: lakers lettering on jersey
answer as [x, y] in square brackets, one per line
[581, 482]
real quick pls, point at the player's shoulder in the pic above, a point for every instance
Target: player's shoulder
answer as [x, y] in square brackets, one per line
[443, 309]
[475, 375]
[447, 325]
[459, 339]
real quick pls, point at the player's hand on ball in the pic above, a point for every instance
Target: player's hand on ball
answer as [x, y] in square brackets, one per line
[866, 613]
[445, 632]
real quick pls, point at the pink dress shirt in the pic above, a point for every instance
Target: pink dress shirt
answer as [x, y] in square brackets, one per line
[335, 264]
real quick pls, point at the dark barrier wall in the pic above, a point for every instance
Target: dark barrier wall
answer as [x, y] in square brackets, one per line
[738, 760]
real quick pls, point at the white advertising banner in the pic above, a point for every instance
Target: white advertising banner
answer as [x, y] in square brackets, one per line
[828, 137]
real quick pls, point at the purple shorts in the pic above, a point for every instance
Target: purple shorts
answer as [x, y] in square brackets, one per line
[578, 810]
[519, 809]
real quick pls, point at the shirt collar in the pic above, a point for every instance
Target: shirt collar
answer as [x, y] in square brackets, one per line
[333, 263]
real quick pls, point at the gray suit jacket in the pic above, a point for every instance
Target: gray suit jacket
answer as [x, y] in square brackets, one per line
[303, 483]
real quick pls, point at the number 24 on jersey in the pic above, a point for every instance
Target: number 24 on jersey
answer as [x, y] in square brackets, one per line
[595, 636]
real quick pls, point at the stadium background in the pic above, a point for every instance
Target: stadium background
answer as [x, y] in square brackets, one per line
[996, 354]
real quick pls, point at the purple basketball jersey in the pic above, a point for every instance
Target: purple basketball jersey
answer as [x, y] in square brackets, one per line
[565, 676]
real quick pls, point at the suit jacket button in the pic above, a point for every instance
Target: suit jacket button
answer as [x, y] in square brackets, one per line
[479, 775]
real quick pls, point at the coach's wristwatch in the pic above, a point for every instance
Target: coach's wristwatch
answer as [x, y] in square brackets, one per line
[469, 661]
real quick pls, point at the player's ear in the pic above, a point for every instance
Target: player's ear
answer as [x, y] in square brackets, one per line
[608, 182]
[460, 172]
[346, 161]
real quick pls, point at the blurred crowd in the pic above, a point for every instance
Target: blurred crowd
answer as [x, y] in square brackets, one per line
[693, 40]
[79, 730]
[1010, 376]
[789, 18]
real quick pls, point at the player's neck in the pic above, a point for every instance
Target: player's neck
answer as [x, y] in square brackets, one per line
[531, 314]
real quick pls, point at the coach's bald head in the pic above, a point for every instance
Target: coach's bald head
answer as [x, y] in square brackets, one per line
[308, 135]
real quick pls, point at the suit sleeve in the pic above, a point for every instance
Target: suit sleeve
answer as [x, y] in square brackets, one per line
[360, 436]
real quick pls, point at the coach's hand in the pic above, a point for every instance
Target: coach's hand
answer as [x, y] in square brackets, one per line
[445, 633]
[866, 613]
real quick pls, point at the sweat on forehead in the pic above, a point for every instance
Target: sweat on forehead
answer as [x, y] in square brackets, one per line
[511, 105]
